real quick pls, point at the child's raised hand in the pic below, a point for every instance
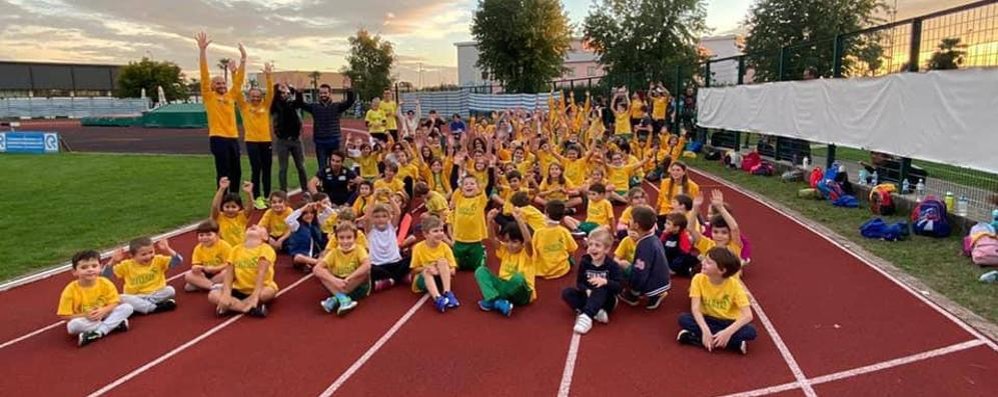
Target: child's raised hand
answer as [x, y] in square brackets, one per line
[118, 255]
[163, 245]
[223, 183]
[697, 201]
[717, 198]
[492, 214]
[248, 187]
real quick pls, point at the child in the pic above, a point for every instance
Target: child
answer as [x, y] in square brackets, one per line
[636, 196]
[328, 216]
[676, 241]
[533, 217]
[388, 266]
[468, 224]
[227, 209]
[677, 183]
[436, 204]
[724, 229]
[306, 239]
[720, 307]
[649, 275]
[208, 259]
[390, 182]
[556, 187]
[515, 283]
[434, 265]
[553, 243]
[345, 272]
[249, 280]
[365, 197]
[274, 220]
[746, 246]
[345, 215]
[596, 285]
[90, 304]
[145, 275]
[599, 212]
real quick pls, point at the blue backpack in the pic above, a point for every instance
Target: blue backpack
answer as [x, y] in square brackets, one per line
[846, 201]
[828, 187]
[878, 229]
[694, 146]
[929, 218]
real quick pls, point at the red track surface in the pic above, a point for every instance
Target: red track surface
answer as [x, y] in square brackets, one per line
[833, 313]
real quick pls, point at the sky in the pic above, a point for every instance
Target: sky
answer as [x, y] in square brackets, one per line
[295, 34]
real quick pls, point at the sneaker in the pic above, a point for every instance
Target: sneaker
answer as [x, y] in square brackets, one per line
[990, 277]
[602, 317]
[122, 326]
[165, 306]
[260, 203]
[188, 287]
[583, 324]
[87, 338]
[743, 348]
[346, 307]
[629, 298]
[382, 285]
[686, 337]
[452, 301]
[440, 303]
[258, 311]
[578, 233]
[505, 307]
[329, 304]
[655, 301]
[485, 305]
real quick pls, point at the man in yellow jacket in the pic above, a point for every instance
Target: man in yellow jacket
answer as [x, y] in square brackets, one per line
[220, 104]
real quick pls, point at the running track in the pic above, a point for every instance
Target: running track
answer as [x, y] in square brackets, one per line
[841, 328]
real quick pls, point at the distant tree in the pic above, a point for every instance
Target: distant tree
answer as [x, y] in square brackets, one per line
[149, 74]
[521, 43]
[949, 54]
[870, 54]
[369, 64]
[224, 65]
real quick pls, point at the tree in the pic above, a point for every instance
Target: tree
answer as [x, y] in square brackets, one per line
[811, 27]
[224, 65]
[949, 54]
[369, 64]
[870, 56]
[645, 40]
[151, 74]
[521, 43]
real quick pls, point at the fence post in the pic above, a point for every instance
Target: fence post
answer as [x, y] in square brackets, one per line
[779, 70]
[913, 66]
[706, 74]
[741, 69]
[836, 73]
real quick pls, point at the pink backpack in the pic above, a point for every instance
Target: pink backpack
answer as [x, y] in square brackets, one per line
[981, 245]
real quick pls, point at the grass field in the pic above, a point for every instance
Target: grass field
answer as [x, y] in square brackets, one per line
[55, 205]
[937, 262]
[957, 175]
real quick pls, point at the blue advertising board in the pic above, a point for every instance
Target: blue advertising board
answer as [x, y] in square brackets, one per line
[29, 142]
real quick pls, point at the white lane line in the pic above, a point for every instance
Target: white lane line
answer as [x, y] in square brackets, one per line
[936, 307]
[566, 375]
[185, 346]
[374, 348]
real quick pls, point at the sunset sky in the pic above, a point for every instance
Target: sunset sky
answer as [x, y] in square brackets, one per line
[296, 34]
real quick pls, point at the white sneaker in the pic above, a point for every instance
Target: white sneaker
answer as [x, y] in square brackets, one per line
[583, 324]
[602, 317]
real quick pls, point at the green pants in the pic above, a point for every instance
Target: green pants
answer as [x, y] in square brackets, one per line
[469, 256]
[587, 227]
[515, 289]
[362, 290]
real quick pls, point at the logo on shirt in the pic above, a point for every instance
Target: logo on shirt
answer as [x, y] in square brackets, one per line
[142, 278]
[639, 264]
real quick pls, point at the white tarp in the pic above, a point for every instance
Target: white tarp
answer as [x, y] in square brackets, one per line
[947, 117]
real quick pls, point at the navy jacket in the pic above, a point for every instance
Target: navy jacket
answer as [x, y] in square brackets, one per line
[650, 273]
[325, 116]
[608, 269]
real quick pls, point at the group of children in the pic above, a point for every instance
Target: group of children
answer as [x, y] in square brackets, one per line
[427, 206]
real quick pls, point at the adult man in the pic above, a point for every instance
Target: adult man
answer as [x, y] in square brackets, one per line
[287, 128]
[335, 180]
[326, 131]
[220, 105]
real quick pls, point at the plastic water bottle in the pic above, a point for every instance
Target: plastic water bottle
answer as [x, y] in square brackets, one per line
[874, 178]
[994, 219]
[962, 206]
[920, 189]
[806, 163]
[905, 185]
[949, 200]
[864, 177]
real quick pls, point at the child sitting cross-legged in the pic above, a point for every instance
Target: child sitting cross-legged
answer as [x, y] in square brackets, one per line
[434, 265]
[649, 274]
[208, 259]
[719, 304]
[91, 304]
[345, 271]
[515, 283]
[249, 279]
[145, 275]
[306, 239]
[597, 284]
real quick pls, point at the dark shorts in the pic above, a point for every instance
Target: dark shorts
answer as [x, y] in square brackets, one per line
[239, 295]
[380, 136]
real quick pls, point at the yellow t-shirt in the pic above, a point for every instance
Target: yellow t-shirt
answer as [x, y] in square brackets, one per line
[626, 217]
[213, 256]
[221, 109]
[668, 190]
[545, 186]
[244, 264]
[361, 241]
[553, 245]
[506, 192]
[424, 256]
[232, 230]
[704, 244]
[368, 166]
[77, 299]
[600, 212]
[273, 221]
[389, 109]
[545, 159]
[621, 123]
[375, 121]
[360, 205]
[626, 249]
[436, 204]
[636, 106]
[330, 223]
[723, 301]
[469, 218]
[620, 177]
[576, 170]
[143, 279]
[409, 170]
[256, 118]
[520, 262]
[395, 185]
[342, 264]
[658, 107]
[534, 217]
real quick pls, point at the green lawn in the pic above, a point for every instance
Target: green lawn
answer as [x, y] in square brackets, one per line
[936, 262]
[55, 205]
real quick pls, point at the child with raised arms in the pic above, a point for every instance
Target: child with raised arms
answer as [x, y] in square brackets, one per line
[144, 274]
[515, 283]
[90, 304]
[468, 224]
[388, 266]
[228, 210]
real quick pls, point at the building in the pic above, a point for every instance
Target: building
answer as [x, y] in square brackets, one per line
[44, 79]
[580, 63]
[720, 47]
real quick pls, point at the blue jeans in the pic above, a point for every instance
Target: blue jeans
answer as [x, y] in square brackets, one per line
[323, 149]
[745, 333]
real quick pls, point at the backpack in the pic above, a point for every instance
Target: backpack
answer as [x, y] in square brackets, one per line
[733, 159]
[878, 229]
[694, 146]
[750, 161]
[712, 155]
[985, 251]
[881, 201]
[977, 231]
[792, 175]
[930, 219]
[764, 168]
[846, 201]
[816, 176]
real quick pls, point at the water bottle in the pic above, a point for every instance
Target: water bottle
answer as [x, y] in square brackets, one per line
[919, 190]
[949, 201]
[994, 219]
[806, 163]
[874, 178]
[864, 177]
[905, 185]
[961, 206]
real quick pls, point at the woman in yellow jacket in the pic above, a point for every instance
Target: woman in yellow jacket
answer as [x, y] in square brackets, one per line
[255, 111]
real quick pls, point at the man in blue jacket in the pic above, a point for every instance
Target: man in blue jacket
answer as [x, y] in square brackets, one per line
[326, 131]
